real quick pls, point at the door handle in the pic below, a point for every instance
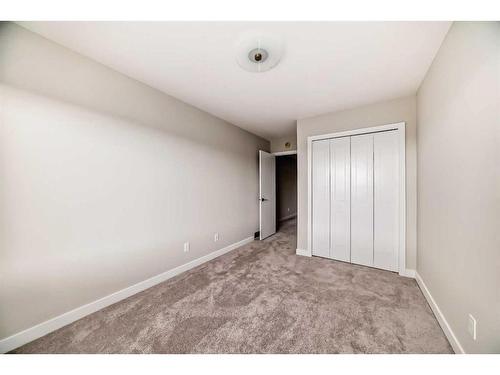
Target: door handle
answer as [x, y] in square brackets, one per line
[263, 199]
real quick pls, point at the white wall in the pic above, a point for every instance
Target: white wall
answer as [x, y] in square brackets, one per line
[103, 179]
[387, 112]
[459, 182]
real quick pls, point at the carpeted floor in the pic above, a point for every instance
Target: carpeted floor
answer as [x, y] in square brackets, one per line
[262, 298]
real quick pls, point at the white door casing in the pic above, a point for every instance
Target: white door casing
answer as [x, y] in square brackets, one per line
[267, 194]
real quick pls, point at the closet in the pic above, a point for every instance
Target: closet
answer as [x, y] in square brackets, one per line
[356, 189]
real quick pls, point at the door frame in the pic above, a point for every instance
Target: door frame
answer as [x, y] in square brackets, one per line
[282, 153]
[400, 128]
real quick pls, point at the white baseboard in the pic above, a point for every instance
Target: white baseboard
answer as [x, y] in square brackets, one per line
[408, 273]
[302, 252]
[51, 325]
[288, 217]
[439, 316]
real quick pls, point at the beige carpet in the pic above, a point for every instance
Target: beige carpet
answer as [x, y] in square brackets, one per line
[262, 298]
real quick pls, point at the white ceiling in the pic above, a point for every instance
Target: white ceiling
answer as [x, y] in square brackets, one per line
[327, 66]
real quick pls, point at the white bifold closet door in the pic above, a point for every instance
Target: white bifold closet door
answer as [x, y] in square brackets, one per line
[355, 199]
[321, 198]
[331, 202]
[362, 199]
[386, 200]
[340, 191]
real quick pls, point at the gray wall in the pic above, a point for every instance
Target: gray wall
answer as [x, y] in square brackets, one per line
[459, 182]
[104, 179]
[388, 112]
[286, 186]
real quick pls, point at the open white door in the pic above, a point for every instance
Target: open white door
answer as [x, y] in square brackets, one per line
[267, 194]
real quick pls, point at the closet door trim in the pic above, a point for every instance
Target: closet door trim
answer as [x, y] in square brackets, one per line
[400, 128]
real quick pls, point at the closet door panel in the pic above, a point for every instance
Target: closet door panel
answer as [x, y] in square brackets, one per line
[386, 200]
[340, 186]
[362, 199]
[321, 198]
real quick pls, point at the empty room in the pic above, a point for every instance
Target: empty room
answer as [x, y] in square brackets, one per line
[249, 187]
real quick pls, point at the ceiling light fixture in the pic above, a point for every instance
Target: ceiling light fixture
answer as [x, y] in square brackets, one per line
[257, 52]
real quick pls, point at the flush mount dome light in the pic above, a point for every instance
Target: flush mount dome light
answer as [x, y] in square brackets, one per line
[258, 55]
[258, 52]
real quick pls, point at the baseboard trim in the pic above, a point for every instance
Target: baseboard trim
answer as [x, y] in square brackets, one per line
[455, 344]
[302, 252]
[408, 273]
[288, 217]
[30, 334]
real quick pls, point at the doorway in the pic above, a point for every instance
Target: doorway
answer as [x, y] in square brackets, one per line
[286, 188]
[277, 192]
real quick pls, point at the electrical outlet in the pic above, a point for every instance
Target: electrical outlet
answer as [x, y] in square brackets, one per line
[216, 237]
[186, 247]
[472, 326]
